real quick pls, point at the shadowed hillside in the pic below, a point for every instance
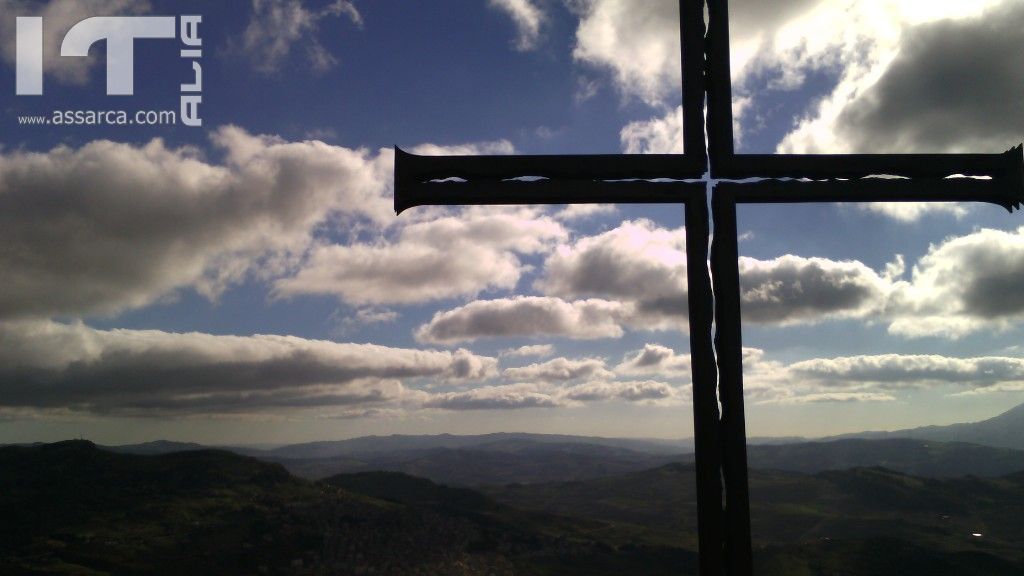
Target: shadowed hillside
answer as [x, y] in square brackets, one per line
[71, 508]
[816, 524]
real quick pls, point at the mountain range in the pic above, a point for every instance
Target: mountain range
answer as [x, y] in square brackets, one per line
[1003, 431]
[984, 448]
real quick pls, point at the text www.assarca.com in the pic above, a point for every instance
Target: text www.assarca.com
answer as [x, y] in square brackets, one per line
[102, 118]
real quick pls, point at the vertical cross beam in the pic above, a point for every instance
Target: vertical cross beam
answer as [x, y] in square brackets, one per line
[725, 271]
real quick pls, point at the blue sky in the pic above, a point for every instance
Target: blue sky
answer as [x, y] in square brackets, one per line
[247, 281]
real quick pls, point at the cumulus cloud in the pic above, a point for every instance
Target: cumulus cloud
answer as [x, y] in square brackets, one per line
[468, 366]
[894, 61]
[792, 289]
[559, 369]
[637, 42]
[894, 371]
[953, 87]
[108, 226]
[663, 135]
[962, 285]
[456, 255]
[574, 212]
[49, 365]
[638, 273]
[528, 18]
[518, 396]
[897, 58]
[492, 148]
[638, 263]
[276, 26]
[540, 350]
[876, 378]
[646, 391]
[655, 359]
[914, 211]
[506, 397]
[58, 17]
[525, 316]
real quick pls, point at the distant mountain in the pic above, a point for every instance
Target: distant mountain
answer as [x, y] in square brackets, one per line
[926, 458]
[507, 459]
[156, 447]
[1003, 431]
[376, 444]
[500, 462]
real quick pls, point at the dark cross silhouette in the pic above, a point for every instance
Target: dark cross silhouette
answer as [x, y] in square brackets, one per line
[714, 314]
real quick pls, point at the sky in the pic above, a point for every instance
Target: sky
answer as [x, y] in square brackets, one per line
[247, 280]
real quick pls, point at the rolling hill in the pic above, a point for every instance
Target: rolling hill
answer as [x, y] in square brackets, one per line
[829, 523]
[72, 508]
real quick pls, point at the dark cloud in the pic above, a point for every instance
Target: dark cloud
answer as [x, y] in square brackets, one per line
[954, 86]
[893, 371]
[108, 227]
[793, 289]
[637, 263]
[71, 366]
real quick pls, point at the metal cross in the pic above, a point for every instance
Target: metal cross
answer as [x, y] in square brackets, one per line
[714, 307]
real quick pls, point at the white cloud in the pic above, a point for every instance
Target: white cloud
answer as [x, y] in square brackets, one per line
[638, 263]
[559, 369]
[492, 148]
[574, 212]
[638, 42]
[540, 350]
[525, 316]
[528, 18]
[662, 135]
[109, 227]
[276, 26]
[655, 359]
[646, 391]
[962, 285]
[506, 397]
[914, 211]
[456, 255]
